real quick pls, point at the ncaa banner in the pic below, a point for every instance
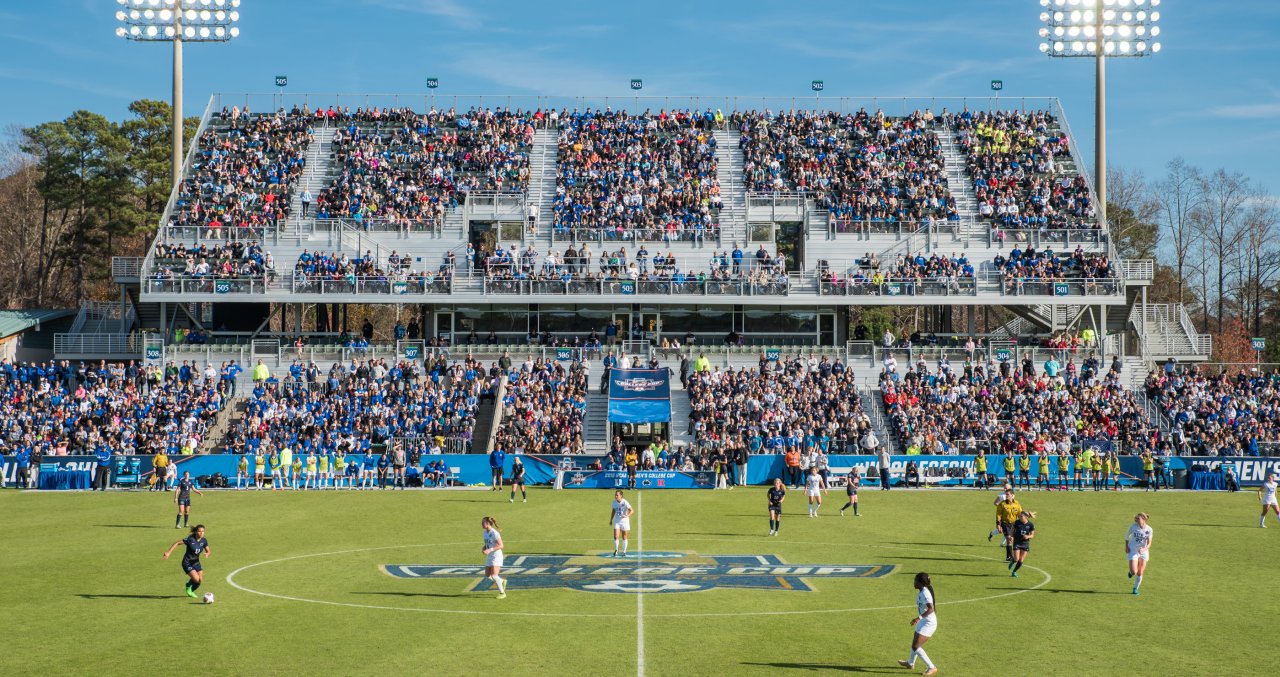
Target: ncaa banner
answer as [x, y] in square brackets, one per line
[639, 396]
[1250, 472]
[645, 479]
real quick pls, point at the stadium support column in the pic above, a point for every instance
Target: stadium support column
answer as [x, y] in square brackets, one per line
[1102, 331]
[971, 320]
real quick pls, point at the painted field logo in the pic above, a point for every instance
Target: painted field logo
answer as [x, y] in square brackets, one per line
[652, 573]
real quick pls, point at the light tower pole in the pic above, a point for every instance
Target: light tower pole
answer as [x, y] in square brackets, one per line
[178, 21]
[1099, 29]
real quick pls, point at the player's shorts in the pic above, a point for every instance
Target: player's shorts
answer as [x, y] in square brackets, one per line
[188, 568]
[816, 493]
[493, 559]
[775, 508]
[927, 626]
[851, 491]
[1271, 502]
[1144, 556]
[184, 502]
[622, 524]
[1025, 547]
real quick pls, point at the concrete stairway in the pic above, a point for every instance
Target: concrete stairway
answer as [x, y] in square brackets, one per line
[733, 215]
[960, 185]
[542, 175]
[316, 176]
[597, 423]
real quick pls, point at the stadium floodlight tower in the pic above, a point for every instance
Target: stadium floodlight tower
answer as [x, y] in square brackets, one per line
[178, 21]
[1100, 29]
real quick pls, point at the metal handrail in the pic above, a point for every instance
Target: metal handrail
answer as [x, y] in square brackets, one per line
[167, 214]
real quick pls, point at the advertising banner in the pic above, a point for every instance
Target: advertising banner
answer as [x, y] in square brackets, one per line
[645, 479]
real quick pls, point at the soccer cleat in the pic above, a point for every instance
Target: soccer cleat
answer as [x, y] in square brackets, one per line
[513, 500]
[502, 595]
[524, 500]
[990, 535]
[1135, 591]
[190, 592]
[930, 671]
[842, 513]
[1014, 574]
[906, 664]
[1130, 574]
[615, 553]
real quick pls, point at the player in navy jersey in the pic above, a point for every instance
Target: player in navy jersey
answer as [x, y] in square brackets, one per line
[777, 494]
[852, 482]
[517, 478]
[1021, 532]
[182, 498]
[196, 546]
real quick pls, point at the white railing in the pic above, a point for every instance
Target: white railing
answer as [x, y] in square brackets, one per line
[97, 344]
[1138, 270]
[126, 267]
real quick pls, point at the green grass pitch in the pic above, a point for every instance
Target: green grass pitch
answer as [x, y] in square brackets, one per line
[83, 587]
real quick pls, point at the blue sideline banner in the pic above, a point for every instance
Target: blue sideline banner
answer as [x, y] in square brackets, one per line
[1250, 472]
[645, 479]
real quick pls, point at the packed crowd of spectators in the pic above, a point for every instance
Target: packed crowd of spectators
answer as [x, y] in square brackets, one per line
[407, 168]
[543, 408]
[863, 167]
[354, 407]
[804, 404]
[339, 272]
[1225, 414]
[239, 259]
[1012, 157]
[60, 408]
[910, 274]
[622, 175]
[506, 268]
[240, 181]
[998, 408]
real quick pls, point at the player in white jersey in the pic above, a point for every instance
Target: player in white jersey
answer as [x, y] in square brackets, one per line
[620, 519]
[1267, 494]
[814, 485]
[1137, 548]
[925, 623]
[493, 554]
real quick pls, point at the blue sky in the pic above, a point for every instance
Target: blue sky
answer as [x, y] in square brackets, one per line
[1212, 96]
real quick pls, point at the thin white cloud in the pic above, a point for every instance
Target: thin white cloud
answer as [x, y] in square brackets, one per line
[451, 10]
[1246, 111]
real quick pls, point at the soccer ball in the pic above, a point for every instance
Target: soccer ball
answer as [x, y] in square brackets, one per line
[208, 598]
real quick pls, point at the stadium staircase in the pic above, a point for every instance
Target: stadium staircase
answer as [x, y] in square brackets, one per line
[486, 421]
[680, 410]
[873, 404]
[1169, 332]
[960, 185]
[733, 193]
[315, 176]
[232, 412]
[596, 433]
[542, 175]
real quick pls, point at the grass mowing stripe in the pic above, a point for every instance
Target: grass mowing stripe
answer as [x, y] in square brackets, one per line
[639, 588]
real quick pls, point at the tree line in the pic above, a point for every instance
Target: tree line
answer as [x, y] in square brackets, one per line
[73, 194]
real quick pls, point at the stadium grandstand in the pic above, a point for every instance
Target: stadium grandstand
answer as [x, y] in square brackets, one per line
[736, 242]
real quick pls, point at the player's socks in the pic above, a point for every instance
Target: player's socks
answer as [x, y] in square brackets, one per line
[1008, 552]
[195, 585]
[176, 518]
[1011, 563]
[523, 496]
[615, 547]
[184, 519]
[924, 657]
[1137, 583]
[1016, 566]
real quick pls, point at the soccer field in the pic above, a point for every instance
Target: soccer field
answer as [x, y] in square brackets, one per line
[83, 587]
